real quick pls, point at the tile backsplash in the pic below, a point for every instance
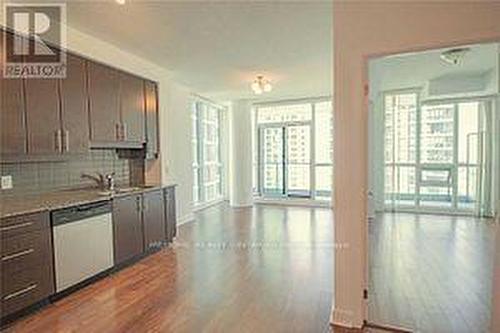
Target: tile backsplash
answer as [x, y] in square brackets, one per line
[39, 177]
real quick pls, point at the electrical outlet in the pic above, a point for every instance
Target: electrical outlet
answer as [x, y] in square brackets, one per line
[6, 182]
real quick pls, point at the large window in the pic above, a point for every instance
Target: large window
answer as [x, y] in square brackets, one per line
[293, 150]
[207, 166]
[433, 153]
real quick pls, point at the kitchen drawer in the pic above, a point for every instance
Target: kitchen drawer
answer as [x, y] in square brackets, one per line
[25, 288]
[21, 224]
[21, 252]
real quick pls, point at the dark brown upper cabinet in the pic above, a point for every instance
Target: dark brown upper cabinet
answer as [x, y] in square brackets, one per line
[104, 102]
[74, 111]
[153, 215]
[132, 109]
[12, 115]
[152, 119]
[13, 130]
[42, 116]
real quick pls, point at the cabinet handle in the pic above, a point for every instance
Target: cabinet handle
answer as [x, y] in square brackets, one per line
[66, 140]
[20, 292]
[138, 203]
[124, 131]
[17, 255]
[117, 130]
[58, 141]
[16, 226]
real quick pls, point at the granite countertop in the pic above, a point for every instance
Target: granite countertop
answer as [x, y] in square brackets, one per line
[12, 206]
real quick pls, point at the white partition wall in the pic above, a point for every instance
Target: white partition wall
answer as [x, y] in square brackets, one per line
[240, 154]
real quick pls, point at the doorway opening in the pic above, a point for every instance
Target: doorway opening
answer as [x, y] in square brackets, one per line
[434, 184]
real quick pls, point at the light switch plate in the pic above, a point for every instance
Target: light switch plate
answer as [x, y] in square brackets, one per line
[6, 182]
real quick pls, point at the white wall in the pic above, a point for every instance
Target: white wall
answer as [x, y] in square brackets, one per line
[177, 152]
[362, 30]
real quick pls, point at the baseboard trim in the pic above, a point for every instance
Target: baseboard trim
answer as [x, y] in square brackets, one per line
[293, 202]
[343, 318]
[388, 328]
[185, 219]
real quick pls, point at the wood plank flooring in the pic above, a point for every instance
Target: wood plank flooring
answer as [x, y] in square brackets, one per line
[269, 269]
[266, 269]
[431, 273]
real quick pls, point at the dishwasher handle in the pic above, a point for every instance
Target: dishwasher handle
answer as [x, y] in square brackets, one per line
[76, 213]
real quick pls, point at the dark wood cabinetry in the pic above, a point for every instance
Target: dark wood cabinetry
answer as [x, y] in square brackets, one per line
[152, 119]
[127, 224]
[153, 219]
[13, 126]
[74, 111]
[26, 261]
[95, 106]
[132, 108]
[12, 117]
[104, 102]
[42, 116]
[170, 213]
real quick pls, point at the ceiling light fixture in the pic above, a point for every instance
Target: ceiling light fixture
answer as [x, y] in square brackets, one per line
[120, 2]
[261, 85]
[454, 56]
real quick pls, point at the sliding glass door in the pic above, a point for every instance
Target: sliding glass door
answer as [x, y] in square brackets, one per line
[286, 160]
[293, 150]
[434, 153]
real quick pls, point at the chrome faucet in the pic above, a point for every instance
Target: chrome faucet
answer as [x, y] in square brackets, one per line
[104, 181]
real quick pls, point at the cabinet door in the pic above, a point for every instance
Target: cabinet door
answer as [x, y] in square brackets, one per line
[13, 130]
[104, 95]
[42, 115]
[75, 118]
[152, 135]
[26, 261]
[132, 108]
[127, 226]
[153, 219]
[170, 214]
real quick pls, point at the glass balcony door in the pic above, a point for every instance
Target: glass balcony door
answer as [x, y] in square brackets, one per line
[286, 160]
[434, 154]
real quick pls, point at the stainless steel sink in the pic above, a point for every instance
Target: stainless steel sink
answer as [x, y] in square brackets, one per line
[123, 190]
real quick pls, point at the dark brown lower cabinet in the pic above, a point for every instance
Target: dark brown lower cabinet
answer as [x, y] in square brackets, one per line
[26, 261]
[170, 214]
[127, 224]
[153, 219]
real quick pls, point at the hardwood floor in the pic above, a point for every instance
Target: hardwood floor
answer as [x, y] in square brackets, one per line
[431, 273]
[266, 269]
[269, 269]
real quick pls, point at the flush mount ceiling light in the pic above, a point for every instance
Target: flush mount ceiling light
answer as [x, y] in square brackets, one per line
[261, 85]
[120, 2]
[454, 56]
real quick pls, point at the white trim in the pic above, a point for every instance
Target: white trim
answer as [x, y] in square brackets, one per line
[342, 318]
[203, 205]
[185, 219]
[428, 210]
[293, 202]
[294, 101]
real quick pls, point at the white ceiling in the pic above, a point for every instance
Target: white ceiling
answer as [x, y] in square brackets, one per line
[415, 69]
[217, 48]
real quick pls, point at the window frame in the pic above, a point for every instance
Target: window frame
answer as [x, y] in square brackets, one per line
[313, 165]
[199, 165]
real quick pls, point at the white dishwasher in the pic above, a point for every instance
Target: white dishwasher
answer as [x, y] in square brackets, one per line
[83, 242]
